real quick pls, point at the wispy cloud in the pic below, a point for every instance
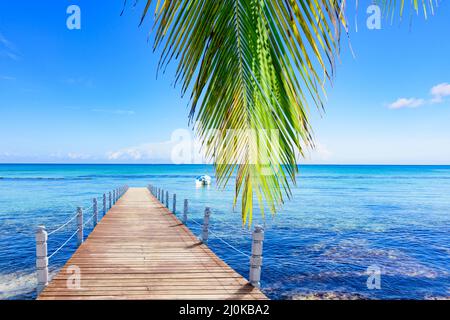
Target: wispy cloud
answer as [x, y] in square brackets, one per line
[438, 94]
[115, 111]
[406, 103]
[181, 148]
[143, 152]
[70, 156]
[8, 49]
[78, 156]
[8, 78]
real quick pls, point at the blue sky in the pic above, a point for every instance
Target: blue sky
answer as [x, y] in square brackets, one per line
[91, 95]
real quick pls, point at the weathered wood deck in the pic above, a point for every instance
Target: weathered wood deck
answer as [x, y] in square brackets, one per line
[140, 250]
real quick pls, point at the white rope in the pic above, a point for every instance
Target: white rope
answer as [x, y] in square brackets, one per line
[190, 219]
[57, 250]
[222, 240]
[62, 226]
[88, 220]
[91, 207]
[230, 245]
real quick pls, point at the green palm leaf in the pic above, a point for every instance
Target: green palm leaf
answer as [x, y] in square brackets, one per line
[253, 67]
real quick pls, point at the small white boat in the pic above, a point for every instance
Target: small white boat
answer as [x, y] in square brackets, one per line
[203, 180]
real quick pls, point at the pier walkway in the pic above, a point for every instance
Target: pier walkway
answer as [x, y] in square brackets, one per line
[140, 250]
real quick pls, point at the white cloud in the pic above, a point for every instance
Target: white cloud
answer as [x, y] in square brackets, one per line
[78, 156]
[182, 148]
[322, 151]
[319, 154]
[8, 49]
[406, 103]
[439, 92]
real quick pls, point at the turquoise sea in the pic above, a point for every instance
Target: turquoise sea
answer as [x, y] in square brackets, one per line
[340, 221]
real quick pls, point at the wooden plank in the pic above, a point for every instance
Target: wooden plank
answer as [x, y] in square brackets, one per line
[140, 250]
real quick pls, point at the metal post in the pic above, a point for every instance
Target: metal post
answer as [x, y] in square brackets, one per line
[104, 204]
[95, 206]
[167, 199]
[41, 258]
[80, 225]
[185, 211]
[174, 204]
[256, 258]
[206, 224]
[110, 205]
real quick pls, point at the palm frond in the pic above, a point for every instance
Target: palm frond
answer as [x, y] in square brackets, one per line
[393, 6]
[253, 67]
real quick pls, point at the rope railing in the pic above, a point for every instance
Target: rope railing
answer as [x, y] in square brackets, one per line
[63, 225]
[63, 245]
[230, 245]
[255, 258]
[42, 235]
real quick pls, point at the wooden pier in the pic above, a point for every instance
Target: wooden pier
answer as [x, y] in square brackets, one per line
[140, 250]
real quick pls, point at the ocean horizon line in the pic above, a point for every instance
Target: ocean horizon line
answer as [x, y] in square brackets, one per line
[210, 164]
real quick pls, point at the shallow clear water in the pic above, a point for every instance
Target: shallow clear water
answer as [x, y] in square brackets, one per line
[341, 220]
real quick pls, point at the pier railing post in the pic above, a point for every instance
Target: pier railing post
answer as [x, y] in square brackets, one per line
[167, 199]
[104, 204]
[174, 204]
[95, 206]
[41, 258]
[206, 224]
[80, 225]
[256, 258]
[110, 204]
[114, 197]
[185, 211]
